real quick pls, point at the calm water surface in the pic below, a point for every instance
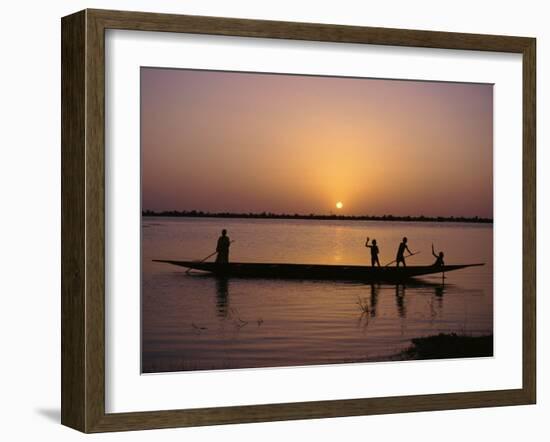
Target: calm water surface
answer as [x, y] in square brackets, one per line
[199, 322]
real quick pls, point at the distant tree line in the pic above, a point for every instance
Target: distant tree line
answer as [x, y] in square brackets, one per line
[313, 216]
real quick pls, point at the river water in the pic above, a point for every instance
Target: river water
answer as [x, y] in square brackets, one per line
[200, 322]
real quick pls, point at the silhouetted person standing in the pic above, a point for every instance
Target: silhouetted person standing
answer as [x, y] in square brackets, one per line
[439, 258]
[373, 252]
[401, 252]
[223, 248]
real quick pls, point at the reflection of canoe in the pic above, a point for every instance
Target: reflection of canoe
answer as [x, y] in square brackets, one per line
[314, 271]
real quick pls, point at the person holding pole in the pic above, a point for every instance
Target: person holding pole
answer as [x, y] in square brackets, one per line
[400, 258]
[222, 248]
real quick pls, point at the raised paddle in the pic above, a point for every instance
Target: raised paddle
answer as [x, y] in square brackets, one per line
[412, 254]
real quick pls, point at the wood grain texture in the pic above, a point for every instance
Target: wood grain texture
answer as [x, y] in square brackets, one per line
[143, 21]
[95, 222]
[529, 220]
[83, 220]
[73, 128]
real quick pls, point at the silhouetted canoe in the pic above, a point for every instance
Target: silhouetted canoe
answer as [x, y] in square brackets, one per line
[315, 271]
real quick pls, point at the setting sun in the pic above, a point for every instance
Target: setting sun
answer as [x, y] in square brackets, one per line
[339, 205]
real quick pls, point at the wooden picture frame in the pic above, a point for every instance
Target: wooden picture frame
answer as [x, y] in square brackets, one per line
[83, 220]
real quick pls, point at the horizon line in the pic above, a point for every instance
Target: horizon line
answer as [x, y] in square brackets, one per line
[313, 216]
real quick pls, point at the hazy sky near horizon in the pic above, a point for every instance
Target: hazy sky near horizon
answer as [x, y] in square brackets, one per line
[248, 142]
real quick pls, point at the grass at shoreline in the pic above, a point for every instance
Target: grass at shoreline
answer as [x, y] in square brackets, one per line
[444, 346]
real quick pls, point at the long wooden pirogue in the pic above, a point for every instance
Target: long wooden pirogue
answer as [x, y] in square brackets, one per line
[315, 271]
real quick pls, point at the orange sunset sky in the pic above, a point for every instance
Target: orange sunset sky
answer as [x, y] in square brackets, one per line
[248, 142]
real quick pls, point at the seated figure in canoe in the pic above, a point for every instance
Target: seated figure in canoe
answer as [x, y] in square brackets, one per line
[373, 252]
[439, 258]
[400, 258]
[222, 248]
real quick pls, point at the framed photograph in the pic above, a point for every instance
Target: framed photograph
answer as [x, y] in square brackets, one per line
[268, 220]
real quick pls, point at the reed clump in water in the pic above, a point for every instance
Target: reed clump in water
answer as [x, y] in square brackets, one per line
[363, 305]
